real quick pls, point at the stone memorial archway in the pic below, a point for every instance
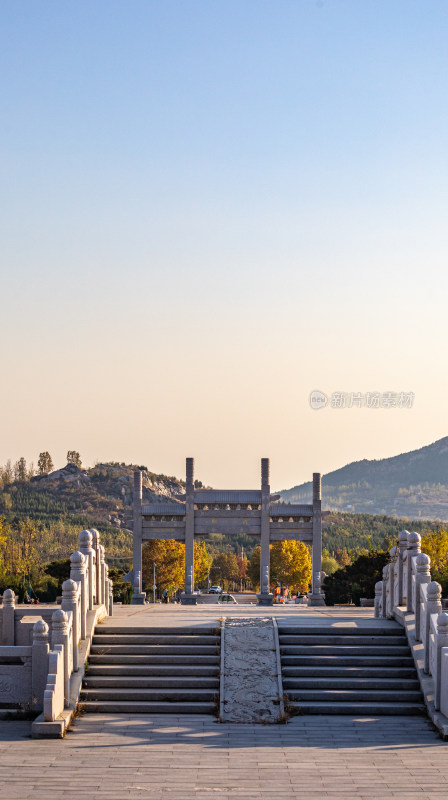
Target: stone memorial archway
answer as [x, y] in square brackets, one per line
[252, 512]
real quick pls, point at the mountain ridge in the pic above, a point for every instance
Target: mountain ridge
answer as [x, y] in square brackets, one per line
[412, 484]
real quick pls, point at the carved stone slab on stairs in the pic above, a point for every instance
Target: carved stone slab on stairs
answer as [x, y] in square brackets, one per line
[250, 681]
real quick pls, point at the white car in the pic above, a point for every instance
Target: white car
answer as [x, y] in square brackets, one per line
[215, 590]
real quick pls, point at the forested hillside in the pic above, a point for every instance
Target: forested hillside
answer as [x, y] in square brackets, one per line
[357, 532]
[41, 516]
[64, 501]
[413, 485]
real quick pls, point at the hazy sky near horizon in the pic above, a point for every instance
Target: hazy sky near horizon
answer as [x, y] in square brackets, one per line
[210, 209]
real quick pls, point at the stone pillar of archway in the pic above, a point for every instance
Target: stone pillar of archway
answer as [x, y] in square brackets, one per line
[138, 597]
[316, 596]
[265, 598]
[188, 598]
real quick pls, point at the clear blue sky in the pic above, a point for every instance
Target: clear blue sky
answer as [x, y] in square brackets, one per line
[210, 209]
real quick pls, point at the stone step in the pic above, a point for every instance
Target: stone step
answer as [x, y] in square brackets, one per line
[147, 695]
[149, 682]
[343, 650]
[395, 709]
[153, 670]
[112, 630]
[153, 649]
[181, 670]
[153, 708]
[358, 641]
[359, 683]
[394, 629]
[365, 671]
[342, 672]
[346, 661]
[358, 696]
[121, 639]
[165, 659]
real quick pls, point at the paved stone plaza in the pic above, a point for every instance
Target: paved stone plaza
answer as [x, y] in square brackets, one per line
[121, 757]
[175, 615]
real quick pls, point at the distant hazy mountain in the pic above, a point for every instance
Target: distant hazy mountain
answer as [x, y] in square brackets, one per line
[411, 485]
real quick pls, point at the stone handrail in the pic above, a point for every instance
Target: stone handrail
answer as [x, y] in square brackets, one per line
[407, 588]
[88, 589]
[54, 694]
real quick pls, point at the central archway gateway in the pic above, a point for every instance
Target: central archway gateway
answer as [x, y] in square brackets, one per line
[252, 512]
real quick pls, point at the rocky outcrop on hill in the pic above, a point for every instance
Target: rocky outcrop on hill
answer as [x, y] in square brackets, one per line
[105, 490]
[70, 475]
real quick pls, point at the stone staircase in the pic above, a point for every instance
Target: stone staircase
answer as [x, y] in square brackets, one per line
[365, 671]
[153, 671]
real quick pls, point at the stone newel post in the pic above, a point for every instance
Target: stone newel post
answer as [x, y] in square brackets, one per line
[423, 575]
[96, 547]
[433, 606]
[441, 641]
[384, 589]
[111, 598]
[9, 602]
[85, 547]
[393, 583]
[378, 598]
[96, 561]
[78, 574]
[39, 663]
[59, 635]
[106, 586]
[102, 573]
[70, 603]
[402, 547]
[414, 548]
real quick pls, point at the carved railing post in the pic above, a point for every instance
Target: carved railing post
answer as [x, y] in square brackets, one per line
[78, 574]
[422, 575]
[433, 606]
[393, 579]
[59, 635]
[85, 547]
[402, 547]
[39, 663]
[441, 641]
[378, 598]
[106, 587]
[70, 603]
[9, 602]
[414, 548]
[111, 598]
[405, 578]
[104, 597]
[95, 545]
[384, 601]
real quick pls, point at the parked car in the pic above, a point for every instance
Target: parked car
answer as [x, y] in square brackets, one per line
[215, 590]
[227, 598]
[197, 591]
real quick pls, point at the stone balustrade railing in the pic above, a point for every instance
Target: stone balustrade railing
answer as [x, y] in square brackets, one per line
[51, 658]
[407, 588]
